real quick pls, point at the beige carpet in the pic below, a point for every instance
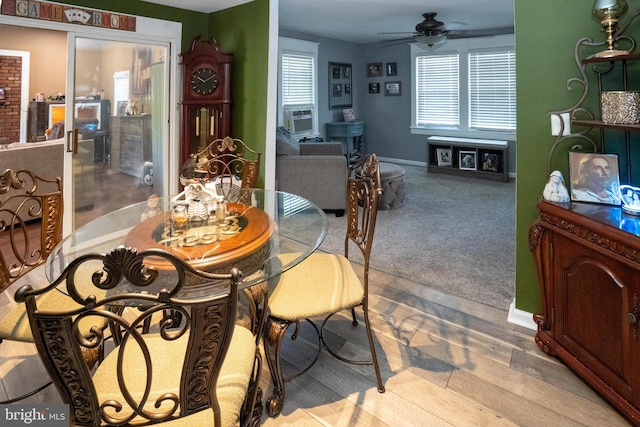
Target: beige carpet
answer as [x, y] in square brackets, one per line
[454, 234]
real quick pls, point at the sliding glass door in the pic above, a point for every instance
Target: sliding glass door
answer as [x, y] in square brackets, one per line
[115, 124]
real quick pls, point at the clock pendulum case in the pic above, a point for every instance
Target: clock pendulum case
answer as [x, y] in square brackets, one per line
[206, 104]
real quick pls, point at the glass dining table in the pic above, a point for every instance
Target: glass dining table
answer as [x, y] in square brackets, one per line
[256, 227]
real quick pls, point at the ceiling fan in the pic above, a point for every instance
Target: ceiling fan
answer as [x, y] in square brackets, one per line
[432, 33]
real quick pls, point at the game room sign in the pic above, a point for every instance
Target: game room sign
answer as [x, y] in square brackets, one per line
[48, 11]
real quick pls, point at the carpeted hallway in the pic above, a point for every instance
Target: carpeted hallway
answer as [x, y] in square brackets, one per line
[454, 234]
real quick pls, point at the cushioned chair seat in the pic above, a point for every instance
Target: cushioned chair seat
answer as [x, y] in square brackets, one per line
[15, 325]
[298, 296]
[167, 359]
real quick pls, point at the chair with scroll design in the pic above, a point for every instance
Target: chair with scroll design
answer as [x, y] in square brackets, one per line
[228, 163]
[325, 284]
[199, 368]
[30, 227]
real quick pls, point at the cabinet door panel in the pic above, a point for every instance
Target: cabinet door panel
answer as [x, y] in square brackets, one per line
[592, 302]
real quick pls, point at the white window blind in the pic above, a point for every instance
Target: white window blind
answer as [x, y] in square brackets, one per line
[437, 96]
[298, 80]
[492, 90]
[120, 89]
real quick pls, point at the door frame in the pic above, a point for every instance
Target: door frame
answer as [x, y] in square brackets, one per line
[148, 30]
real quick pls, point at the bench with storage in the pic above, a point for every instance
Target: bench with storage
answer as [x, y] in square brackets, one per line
[480, 158]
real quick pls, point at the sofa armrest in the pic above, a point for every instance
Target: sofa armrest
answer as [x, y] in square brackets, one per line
[321, 179]
[321, 148]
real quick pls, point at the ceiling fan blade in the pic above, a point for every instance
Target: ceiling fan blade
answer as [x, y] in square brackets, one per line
[400, 32]
[453, 26]
[396, 43]
[401, 40]
[465, 34]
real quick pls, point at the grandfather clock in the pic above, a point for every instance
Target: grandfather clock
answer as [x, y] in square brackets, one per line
[206, 104]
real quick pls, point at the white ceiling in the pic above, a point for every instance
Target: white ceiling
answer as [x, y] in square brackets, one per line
[361, 21]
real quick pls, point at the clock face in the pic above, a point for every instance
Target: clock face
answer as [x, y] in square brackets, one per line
[204, 81]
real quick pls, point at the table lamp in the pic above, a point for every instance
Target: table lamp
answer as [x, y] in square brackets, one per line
[609, 12]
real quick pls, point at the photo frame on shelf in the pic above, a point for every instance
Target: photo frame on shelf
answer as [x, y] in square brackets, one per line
[340, 93]
[467, 160]
[122, 108]
[444, 156]
[374, 69]
[374, 87]
[392, 69]
[490, 162]
[348, 115]
[392, 89]
[594, 177]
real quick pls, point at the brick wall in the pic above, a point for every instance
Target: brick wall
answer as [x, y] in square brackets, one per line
[10, 79]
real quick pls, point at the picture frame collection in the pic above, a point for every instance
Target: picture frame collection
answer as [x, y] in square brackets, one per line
[469, 160]
[378, 69]
[340, 89]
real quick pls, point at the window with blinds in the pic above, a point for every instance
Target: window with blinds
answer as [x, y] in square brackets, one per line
[492, 90]
[120, 91]
[298, 80]
[437, 96]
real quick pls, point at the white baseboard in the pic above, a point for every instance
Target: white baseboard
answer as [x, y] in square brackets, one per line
[402, 161]
[520, 317]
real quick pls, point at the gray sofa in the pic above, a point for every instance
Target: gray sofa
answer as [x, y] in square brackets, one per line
[46, 160]
[314, 170]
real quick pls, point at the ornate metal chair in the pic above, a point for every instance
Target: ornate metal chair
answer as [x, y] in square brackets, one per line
[30, 227]
[26, 198]
[227, 163]
[325, 284]
[195, 368]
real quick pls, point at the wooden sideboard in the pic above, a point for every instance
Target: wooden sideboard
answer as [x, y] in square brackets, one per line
[588, 263]
[131, 143]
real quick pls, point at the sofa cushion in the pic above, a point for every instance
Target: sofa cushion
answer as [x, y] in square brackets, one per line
[286, 144]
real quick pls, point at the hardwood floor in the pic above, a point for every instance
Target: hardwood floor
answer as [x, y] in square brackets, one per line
[446, 362]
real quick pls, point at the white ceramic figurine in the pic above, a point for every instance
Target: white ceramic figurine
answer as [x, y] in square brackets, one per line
[554, 190]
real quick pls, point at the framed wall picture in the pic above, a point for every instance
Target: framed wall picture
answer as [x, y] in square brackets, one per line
[3, 94]
[374, 87]
[392, 88]
[140, 71]
[444, 156]
[595, 177]
[467, 160]
[374, 69]
[340, 94]
[392, 69]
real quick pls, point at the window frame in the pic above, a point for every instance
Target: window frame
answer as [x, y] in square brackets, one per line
[303, 48]
[461, 47]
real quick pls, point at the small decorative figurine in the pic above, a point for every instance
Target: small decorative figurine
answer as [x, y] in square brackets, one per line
[152, 208]
[554, 190]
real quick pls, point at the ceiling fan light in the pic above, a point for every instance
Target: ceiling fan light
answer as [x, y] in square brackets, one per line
[430, 41]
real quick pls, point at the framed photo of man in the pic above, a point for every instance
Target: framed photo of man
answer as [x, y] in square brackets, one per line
[595, 177]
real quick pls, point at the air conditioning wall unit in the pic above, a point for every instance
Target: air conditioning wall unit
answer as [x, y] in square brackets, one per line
[298, 121]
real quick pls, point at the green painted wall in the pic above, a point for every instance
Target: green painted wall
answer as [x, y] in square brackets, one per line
[546, 35]
[244, 31]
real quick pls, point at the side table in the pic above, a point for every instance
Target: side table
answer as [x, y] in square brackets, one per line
[349, 133]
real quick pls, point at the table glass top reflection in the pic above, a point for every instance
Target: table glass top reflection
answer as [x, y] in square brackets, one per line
[257, 226]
